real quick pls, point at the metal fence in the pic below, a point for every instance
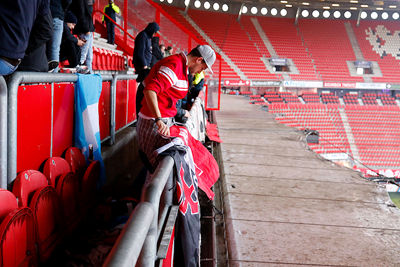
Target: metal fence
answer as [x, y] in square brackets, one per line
[143, 229]
[8, 151]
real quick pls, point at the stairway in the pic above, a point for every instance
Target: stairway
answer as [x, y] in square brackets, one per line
[350, 137]
[268, 45]
[356, 48]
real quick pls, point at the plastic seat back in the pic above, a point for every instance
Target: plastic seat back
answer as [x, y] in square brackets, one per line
[68, 190]
[76, 160]
[54, 167]
[17, 239]
[17, 233]
[25, 185]
[89, 185]
[46, 208]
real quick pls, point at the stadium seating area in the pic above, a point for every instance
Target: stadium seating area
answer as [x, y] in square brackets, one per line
[373, 126]
[44, 207]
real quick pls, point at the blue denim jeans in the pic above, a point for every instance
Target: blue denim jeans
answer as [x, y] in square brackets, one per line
[58, 27]
[87, 51]
[6, 68]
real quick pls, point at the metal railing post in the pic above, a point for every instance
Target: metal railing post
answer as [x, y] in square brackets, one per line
[113, 100]
[3, 133]
[152, 195]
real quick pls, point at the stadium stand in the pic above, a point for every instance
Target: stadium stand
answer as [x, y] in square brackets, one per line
[329, 47]
[310, 97]
[351, 99]
[288, 44]
[226, 32]
[377, 44]
[387, 99]
[369, 99]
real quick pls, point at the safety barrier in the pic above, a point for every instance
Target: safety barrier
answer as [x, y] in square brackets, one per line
[3, 133]
[8, 167]
[143, 228]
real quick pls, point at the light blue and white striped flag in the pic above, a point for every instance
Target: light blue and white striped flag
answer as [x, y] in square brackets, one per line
[87, 130]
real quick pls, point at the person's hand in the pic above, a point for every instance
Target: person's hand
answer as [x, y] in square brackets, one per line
[145, 67]
[163, 129]
[187, 114]
[80, 42]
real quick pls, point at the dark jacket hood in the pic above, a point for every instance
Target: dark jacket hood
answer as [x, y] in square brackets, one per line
[152, 28]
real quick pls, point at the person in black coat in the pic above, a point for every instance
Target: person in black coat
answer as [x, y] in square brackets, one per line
[142, 52]
[35, 55]
[155, 50]
[16, 21]
[70, 45]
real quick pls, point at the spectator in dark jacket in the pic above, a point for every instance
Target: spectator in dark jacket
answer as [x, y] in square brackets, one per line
[57, 8]
[110, 10]
[35, 58]
[84, 29]
[142, 52]
[16, 22]
[155, 50]
[70, 45]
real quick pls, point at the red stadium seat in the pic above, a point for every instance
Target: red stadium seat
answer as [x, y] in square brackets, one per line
[17, 233]
[58, 171]
[89, 186]
[31, 187]
[68, 190]
[55, 167]
[76, 160]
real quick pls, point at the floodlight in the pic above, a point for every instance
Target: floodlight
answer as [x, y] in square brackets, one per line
[363, 15]
[264, 11]
[337, 14]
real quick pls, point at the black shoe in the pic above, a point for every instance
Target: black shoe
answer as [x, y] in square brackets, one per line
[52, 65]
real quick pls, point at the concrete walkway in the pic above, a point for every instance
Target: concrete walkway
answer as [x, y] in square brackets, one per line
[286, 206]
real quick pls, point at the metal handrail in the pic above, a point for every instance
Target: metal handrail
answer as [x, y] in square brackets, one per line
[114, 22]
[126, 249]
[37, 77]
[125, 252]
[3, 133]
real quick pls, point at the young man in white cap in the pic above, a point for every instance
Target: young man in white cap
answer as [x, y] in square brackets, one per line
[166, 83]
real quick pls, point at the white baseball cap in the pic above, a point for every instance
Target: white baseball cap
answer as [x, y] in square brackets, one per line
[208, 54]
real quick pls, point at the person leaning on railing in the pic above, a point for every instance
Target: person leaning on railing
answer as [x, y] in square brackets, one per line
[166, 83]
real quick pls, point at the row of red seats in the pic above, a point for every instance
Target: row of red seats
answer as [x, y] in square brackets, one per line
[104, 59]
[44, 207]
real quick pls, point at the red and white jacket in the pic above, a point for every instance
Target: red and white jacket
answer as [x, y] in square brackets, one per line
[169, 79]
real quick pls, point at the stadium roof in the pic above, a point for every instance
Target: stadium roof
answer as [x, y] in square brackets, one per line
[388, 5]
